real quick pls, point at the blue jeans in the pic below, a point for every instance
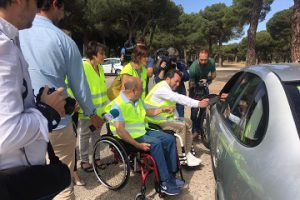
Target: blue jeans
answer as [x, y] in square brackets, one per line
[163, 150]
[180, 110]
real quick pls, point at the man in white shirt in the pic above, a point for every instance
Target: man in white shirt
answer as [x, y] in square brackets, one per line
[23, 129]
[163, 96]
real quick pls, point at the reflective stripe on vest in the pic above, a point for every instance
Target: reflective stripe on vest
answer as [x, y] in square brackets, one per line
[134, 117]
[161, 117]
[128, 69]
[98, 88]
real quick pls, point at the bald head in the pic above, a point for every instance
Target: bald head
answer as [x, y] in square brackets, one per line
[133, 87]
[130, 83]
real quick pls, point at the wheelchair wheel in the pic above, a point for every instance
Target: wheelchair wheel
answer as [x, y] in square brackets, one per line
[113, 171]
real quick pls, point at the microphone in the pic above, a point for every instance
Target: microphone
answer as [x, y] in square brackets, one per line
[111, 115]
[107, 117]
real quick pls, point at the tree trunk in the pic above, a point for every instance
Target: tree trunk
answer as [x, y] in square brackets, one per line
[295, 41]
[185, 55]
[152, 34]
[210, 45]
[220, 54]
[256, 9]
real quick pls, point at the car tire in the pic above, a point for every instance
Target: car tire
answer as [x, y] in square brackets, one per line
[117, 72]
[205, 129]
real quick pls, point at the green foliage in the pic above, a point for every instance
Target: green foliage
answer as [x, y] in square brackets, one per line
[279, 27]
[264, 46]
[244, 8]
[163, 24]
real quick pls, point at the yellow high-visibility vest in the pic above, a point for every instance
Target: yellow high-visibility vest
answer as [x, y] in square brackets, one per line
[98, 88]
[161, 117]
[129, 70]
[134, 117]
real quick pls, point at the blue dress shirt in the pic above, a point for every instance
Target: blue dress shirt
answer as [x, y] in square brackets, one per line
[52, 56]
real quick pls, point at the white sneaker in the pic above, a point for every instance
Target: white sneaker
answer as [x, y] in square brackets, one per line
[192, 161]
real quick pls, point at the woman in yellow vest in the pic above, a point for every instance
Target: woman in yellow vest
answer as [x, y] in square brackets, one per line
[95, 53]
[136, 67]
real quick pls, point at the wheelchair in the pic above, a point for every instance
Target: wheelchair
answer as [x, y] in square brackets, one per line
[117, 158]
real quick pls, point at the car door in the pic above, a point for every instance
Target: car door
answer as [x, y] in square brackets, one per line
[230, 162]
[217, 129]
[107, 66]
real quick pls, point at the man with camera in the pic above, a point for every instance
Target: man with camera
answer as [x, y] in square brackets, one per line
[23, 127]
[53, 56]
[199, 76]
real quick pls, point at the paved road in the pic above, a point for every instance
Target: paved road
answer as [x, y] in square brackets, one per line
[200, 181]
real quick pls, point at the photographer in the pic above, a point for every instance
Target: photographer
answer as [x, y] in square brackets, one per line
[52, 56]
[23, 129]
[199, 73]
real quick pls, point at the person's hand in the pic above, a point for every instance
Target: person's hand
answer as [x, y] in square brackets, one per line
[163, 65]
[203, 103]
[168, 109]
[203, 81]
[227, 111]
[96, 121]
[77, 107]
[144, 146]
[55, 100]
[223, 97]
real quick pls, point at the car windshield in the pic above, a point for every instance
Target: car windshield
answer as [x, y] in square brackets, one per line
[293, 93]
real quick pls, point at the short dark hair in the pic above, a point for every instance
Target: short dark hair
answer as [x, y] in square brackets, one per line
[46, 4]
[4, 3]
[138, 52]
[93, 47]
[171, 73]
[205, 51]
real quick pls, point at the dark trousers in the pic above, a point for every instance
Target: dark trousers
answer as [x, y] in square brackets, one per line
[196, 119]
[36, 182]
[196, 116]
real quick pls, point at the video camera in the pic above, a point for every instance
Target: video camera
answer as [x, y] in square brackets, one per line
[70, 102]
[163, 54]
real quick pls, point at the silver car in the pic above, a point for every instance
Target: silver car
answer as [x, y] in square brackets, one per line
[254, 134]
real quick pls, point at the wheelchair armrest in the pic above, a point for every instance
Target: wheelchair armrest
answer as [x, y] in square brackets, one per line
[157, 127]
[154, 126]
[130, 148]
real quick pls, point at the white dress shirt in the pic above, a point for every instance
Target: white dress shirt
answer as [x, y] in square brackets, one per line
[21, 125]
[164, 92]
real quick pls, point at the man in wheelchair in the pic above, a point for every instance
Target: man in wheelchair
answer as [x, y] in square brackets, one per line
[130, 126]
[162, 97]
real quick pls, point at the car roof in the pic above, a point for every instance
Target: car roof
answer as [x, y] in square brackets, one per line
[286, 71]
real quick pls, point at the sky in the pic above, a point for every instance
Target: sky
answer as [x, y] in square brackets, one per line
[195, 6]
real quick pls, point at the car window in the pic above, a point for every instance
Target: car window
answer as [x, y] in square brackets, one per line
[253, 128]
[293, 93]
[228, 86]
[238, 102]
[107, 62]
